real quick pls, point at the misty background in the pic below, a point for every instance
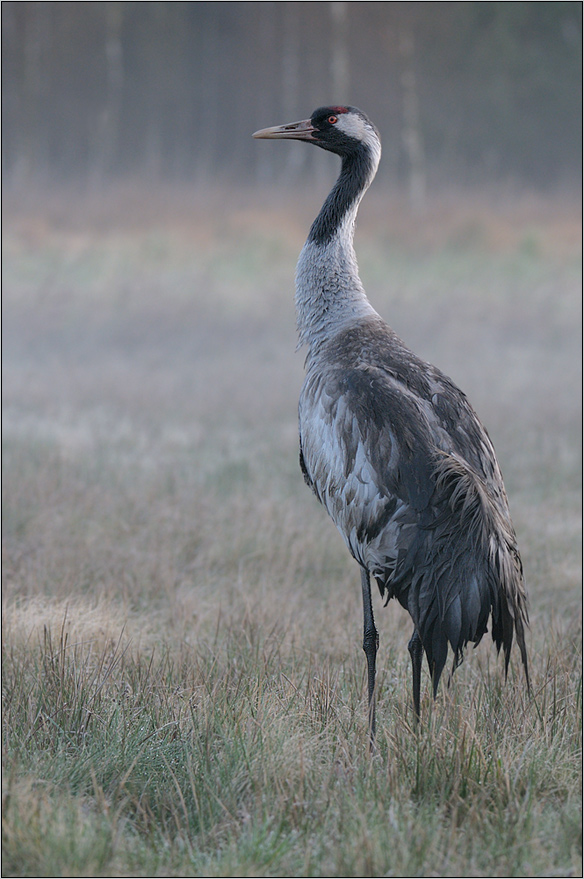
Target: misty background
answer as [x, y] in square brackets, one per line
[183, 674]
[463, 93]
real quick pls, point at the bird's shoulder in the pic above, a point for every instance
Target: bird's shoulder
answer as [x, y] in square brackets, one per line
[371, 348]
[360, 418]
[367, 384]
[368, 371]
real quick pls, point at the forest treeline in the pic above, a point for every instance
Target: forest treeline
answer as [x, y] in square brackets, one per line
[461, 92]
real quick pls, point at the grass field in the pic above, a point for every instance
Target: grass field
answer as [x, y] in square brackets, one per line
[183, 680]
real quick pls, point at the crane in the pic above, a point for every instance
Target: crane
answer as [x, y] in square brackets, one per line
[391, 446]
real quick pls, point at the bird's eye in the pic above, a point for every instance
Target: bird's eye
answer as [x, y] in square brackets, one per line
[333, 119]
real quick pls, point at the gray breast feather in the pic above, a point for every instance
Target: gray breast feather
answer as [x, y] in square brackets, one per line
[367, 461]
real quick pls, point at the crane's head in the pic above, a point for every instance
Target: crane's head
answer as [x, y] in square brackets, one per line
[341, 130]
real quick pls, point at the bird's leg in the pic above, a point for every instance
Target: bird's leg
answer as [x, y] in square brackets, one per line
[416, 650]
[370, 645]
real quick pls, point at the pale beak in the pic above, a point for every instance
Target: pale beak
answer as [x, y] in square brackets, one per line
[293, 131]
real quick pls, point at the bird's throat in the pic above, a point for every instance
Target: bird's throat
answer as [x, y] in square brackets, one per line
[357, 172]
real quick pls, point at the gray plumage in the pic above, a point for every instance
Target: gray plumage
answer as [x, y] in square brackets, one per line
[391, 447]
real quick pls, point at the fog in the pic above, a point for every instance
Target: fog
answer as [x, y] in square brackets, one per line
[183, 678]
[149, 246]
[462, 93]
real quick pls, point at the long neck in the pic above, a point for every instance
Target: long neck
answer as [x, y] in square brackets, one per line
[329, 293]
[357, 172]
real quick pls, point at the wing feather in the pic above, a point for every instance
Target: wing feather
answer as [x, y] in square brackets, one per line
[396, 454]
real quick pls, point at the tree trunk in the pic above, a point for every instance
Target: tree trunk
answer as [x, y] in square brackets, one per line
[33, 160]
[340, 53]
[108, 125]
[295, 160]
[411, 132]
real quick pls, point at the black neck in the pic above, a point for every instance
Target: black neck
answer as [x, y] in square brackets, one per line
[354, 178]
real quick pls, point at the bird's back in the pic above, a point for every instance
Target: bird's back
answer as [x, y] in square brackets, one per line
[398, 457]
